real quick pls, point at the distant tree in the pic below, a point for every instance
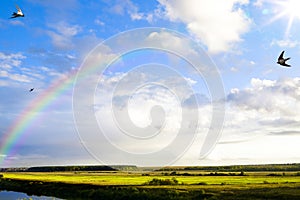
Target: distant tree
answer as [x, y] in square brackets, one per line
[173, 173]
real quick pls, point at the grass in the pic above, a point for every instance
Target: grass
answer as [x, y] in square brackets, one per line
[123, 178]
[253, 185]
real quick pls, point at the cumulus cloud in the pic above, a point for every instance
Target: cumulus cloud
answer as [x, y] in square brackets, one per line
[264, 107]
[127, 102]
[268, 95]
[62, 34]
[261, 115]
[267, 108]
[219, 25]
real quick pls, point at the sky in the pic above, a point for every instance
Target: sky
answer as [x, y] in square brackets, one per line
[156, 82]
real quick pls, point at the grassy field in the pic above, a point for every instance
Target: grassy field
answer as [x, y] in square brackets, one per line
[223, 185]
[127, 178]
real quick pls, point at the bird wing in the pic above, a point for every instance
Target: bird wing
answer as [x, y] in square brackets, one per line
[281, 55]
[19, 9]
[14, 15]
[284, 64]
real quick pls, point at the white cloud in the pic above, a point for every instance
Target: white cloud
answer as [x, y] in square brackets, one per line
[19, 77]
[264, 107]
[99, 22]
[8, 61]
[268, 100]
[136, 16]
[10, 64]
[252, 114]
[14, 76]
[285, 43]
[218, 24]
[262, 115]
[258, 3]
[170, 41]
[261, 84]
[122, 7]
[50, 72]
[191, 81]
[139, 92]
[233, 69]
[63, 33]
[13, 72]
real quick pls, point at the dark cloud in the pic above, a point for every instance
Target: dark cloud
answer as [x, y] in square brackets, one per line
[279, 122]
[285, 133]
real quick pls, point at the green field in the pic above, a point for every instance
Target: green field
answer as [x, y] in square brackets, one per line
[169, 185]
[135, 178]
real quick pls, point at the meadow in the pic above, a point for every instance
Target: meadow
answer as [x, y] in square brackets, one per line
[157, 184]
[137, 179]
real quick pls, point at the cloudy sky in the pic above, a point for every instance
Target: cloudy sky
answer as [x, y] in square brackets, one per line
[158, 82]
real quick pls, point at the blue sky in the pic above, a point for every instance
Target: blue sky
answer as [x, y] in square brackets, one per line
[242, 38]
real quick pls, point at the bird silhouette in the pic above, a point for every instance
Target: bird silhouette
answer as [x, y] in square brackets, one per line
[31, 89]
[19, 13]
[281, 60]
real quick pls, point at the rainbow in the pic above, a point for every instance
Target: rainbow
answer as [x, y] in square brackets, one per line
[16, 132]
[20, 128]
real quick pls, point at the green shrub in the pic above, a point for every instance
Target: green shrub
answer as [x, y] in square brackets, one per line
[157, 181]
[202, 183]
[173, 174]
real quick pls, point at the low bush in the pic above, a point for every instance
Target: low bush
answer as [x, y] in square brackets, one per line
[202, 183]
[157, 181]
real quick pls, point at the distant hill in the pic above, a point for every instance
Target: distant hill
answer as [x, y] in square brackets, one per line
[72, 168]
[69, 168]
[234, 168]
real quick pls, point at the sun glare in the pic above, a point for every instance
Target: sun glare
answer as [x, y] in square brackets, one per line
[289, 9]
[292, 8]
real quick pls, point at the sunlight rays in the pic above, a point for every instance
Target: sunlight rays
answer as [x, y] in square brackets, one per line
[286, 9]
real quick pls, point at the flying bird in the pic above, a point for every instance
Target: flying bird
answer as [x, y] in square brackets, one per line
[19, 13]
[31, 89]
[281, 60]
